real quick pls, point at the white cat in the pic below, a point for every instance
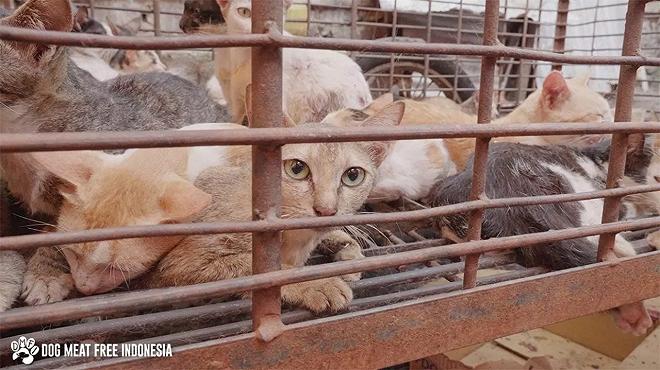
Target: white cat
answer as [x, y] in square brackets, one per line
[315, 82]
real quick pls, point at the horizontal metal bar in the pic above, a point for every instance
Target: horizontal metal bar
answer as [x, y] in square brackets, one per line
[32, 241]
[276, 39]
[426, 326]
[295, 316]
[153, 321]
[99, 305]
[53, 141]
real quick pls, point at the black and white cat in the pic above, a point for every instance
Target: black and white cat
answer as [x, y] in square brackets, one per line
[518, 170]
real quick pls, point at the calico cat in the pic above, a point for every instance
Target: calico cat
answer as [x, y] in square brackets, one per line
[315, 82]
[40, 90]
[518, 170]
[318, 180]
[414, 165]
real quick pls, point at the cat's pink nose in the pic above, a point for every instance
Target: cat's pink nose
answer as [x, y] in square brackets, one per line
[325, 211]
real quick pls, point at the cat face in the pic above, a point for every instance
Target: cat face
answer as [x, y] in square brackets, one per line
[238, 14]
[25, 65]
[334, 178]
[561, 100]
[102, 191]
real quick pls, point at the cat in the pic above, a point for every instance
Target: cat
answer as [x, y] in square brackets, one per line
[519, 170]
[413, 166]
[318, 180]
[40, 90]
[315, 82]
[200, 16]
[12, 268]
[106, 64]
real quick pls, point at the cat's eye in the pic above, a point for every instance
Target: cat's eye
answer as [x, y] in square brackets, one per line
[353, 176]
[244, 12]
[296, 169]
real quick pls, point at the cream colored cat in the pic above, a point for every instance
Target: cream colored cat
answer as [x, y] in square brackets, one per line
[413, 166]
[315, 82]
[155, 186]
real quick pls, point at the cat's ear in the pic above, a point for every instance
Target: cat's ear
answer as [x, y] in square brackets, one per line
[71, 169]
[223, 3]
[181, 200]
[391, 115]
[555, 90]
[379, 104]
[47, 15]
[81, 17]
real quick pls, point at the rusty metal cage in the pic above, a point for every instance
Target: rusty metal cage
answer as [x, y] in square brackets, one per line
[396, 316]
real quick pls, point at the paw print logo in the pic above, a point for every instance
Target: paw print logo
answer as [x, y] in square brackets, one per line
[24, 349]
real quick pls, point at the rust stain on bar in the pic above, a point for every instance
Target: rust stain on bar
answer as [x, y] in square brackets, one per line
[484, 115]
[411, 330]
[266, 167]
[109, 303]
[560, 30]
[623, 112]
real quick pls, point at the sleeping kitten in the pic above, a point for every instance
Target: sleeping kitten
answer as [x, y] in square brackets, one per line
[317, 180]
[40, 90]
[414, 165]
[315, 82]
[517, 170]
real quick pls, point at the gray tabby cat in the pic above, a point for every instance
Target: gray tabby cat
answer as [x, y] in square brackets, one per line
[40, 90]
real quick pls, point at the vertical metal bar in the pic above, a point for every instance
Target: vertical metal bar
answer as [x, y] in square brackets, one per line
[156, 6]
[92, 8]
[266, 167]
[481, 148]
[354, 17]
[623, 112]
[395, 14]
[429, 23]
[560, 30]
[459, 39]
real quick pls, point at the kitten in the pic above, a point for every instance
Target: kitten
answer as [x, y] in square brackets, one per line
[414, 165]
[40, 90]
[518, 170]
[12, 268]
[201, 15]
[318, 180]
[315, 82]
[105, 64]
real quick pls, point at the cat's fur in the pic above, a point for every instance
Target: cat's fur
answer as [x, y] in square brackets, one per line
[519, 170]
[414, 165]
[116, 193]
[40, 90]
[315, 82]
[12, 268]
[105, 64]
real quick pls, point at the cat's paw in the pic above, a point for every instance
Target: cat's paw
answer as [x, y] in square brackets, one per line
[633, 318]
[42, 289]
[351, 251]
[332, 294]
[654, 239]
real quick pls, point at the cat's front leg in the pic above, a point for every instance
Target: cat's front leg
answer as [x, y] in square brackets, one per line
[48, 277]
[632, 318]
[12, 267]
[654, 239]
[343, 248]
